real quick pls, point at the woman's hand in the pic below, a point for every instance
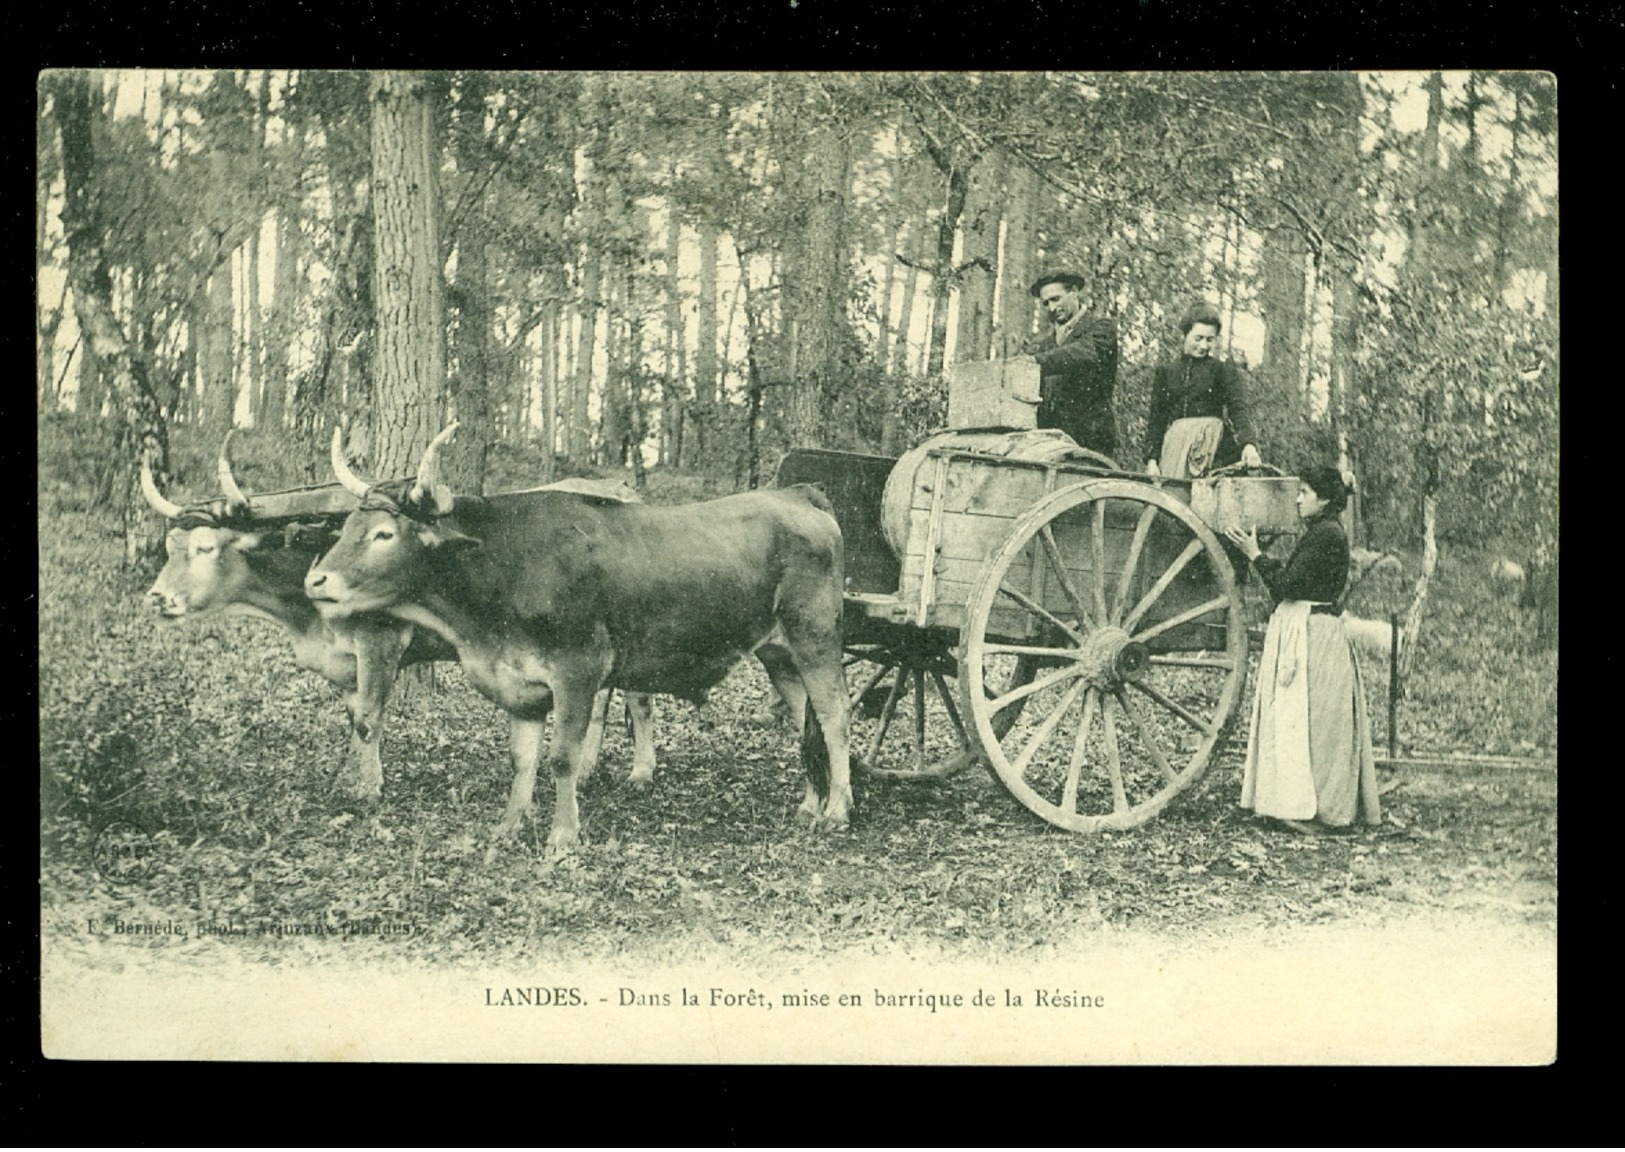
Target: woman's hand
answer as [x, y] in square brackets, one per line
[1247, 541]
[1151, 468]
[1250, 457]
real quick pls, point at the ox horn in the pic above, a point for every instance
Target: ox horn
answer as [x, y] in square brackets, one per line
[149, 489]
[353, 484]
[428, 476]
[236, 498]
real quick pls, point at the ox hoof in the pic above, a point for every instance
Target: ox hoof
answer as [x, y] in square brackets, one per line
[562, 843]
[379, 832]
[640, 783]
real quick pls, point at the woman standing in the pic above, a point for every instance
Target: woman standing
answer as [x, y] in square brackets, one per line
[1309, 752]
[1199, 418]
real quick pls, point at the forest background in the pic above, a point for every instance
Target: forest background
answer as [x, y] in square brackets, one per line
[696, 271]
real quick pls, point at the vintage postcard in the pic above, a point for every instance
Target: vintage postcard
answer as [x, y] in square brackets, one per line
[954, 568]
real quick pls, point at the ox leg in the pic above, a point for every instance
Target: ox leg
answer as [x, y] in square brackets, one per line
[525, 745]
[781, 670]
[565, 756]
[813, 637]
[640, 715]
[593, 743]
[377, 664]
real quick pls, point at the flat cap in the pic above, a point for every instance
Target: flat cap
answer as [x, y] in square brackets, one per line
[1057, 276]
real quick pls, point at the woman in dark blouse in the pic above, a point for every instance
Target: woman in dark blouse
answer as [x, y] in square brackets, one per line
[1309, 751]
[1199, 418]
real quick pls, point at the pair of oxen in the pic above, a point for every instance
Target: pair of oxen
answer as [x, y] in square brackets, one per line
[549, 597]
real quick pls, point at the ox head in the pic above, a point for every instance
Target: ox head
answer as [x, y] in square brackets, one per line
[391, 541]
[207, 567]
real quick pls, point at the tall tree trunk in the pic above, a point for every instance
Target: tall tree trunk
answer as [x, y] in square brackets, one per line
[942, 285]
[580, 431]
[1017, 272]
[1282, 302]
[145, 434]
[821, 340]
[215, 346]
[280, 325]
[676, 355]
[410, 368]
[473, 386]
[979, 254]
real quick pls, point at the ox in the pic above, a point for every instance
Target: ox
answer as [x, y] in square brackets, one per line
[221, 560]
[550, 596]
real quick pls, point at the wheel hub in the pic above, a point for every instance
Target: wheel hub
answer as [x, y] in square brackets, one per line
[1110, 656]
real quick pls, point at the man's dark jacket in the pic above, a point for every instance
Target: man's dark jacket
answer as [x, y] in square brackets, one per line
[1078, 377]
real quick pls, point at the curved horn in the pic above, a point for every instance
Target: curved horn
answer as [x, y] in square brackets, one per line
[429, 467]
[353, 484]
[149, 489]
[236, 498]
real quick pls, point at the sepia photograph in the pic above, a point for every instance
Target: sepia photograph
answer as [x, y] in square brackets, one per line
[798, 567]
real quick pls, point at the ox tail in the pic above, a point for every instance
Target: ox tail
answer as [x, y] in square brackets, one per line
[814, 752]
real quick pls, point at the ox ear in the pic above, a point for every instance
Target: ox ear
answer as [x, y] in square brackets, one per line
[446, 536]
[251, 541]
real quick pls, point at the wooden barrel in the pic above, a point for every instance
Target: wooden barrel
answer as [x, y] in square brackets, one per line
[1049, 445]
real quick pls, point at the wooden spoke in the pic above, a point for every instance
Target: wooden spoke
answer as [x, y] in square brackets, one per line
[1184, 617]
[1080, 750]
[1052, 552]
[1161, 586]
[886, 714]
[919, 719]
[1147, 737]
[1038, 609]
[1030, 650]
[1174, 706]
[1114, 761]
[1037, 684]
[1132, 561]
[868, 686]
[950, 707]
[1100, 559]
[1218, 662]
[1047, 727]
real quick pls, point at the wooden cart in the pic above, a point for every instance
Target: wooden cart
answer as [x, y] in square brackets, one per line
[1092, 617]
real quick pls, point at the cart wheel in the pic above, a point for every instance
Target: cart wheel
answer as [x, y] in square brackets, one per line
[906, 721]
[1126, 605]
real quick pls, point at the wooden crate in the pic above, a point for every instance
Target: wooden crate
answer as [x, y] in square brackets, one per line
[993, 394]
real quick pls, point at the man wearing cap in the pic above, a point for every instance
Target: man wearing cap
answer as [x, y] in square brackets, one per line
[1077, 358]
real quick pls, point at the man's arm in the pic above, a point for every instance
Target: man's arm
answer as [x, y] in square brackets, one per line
[1094, 342]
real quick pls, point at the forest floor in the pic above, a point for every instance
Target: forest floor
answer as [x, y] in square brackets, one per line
[205, 744]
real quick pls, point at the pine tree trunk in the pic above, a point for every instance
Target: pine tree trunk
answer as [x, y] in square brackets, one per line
[979, 254]
[942, 286]
[816, 297]
[676, 357]
[1017, 272]
[410, 364]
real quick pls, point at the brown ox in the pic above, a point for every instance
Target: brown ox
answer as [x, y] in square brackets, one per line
[549, 597]
[221, 560]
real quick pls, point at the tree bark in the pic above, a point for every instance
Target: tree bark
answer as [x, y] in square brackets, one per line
[816, 296]
[943, 281]
[1017, 272]
[410, 363]
[145, 433]
[979, 254]
[676, 353]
